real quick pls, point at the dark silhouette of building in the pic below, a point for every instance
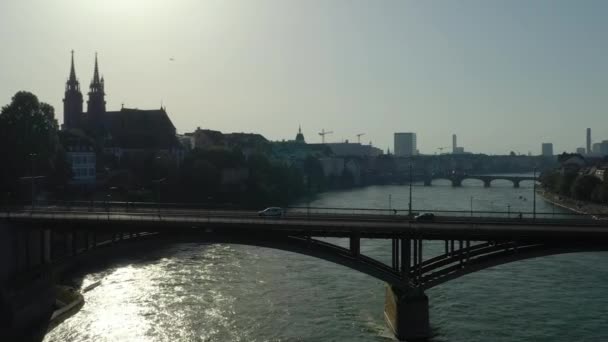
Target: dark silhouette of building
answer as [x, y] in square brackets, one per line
[126, 129]
[300, 136]
[72, 102]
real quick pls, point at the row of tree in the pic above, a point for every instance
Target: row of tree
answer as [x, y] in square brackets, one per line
[570, 183]
[29, 146]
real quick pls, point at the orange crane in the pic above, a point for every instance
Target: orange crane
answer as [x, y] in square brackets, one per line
[323, 134]
[359, 137]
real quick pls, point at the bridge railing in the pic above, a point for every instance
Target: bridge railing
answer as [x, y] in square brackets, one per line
[103, 209]
[444, 212]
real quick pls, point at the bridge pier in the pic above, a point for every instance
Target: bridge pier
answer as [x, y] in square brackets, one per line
[407, 313]
[487, 183]
[516, 184]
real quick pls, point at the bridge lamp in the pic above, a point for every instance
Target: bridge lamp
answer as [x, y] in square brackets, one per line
[534, 194]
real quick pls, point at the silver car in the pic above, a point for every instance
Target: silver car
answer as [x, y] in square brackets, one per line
[272, 212]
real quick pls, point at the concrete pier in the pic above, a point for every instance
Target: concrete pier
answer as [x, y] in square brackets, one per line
[407, 313]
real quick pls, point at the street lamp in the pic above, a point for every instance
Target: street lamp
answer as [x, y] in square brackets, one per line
[471, 206]
[534, 195]
[410, 203]
[33, 157]
[158, 182]
[33, 178]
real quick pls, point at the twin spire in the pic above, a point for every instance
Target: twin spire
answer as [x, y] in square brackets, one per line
[96, 73]
[97, 84]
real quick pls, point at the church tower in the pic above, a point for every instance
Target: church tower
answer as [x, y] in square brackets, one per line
[96, 105]
[72, 101]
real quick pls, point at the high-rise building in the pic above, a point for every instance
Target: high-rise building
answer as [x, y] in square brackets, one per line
[597, 148]
[454, 144]
[604, 148]
[547, 149]
[405, 144]
[589, 151]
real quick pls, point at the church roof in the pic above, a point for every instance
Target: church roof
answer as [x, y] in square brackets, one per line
[136, 128]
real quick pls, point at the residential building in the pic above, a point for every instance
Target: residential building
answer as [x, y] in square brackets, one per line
[80, 154]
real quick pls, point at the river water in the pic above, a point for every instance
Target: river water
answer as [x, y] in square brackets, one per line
[197, 292]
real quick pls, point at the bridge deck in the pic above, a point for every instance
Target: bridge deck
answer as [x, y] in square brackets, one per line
[367, 226]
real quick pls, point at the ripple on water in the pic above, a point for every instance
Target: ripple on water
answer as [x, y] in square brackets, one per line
[198, 292]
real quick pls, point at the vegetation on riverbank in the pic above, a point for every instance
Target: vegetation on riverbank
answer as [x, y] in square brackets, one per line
[576, 185]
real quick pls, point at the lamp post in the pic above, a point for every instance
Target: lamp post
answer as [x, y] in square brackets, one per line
[33, 157]
[471, 206]
[410, 202]
[534, 195]
[390, 206]
[508, 211]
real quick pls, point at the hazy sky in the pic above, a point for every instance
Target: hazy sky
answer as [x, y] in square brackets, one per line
[502, 75]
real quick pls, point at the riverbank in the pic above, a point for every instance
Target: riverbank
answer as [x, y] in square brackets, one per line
[598, 211]
[68, 302]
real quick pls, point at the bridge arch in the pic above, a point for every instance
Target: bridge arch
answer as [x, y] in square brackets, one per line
[473, 181]
[444, 268]
[443, 179]
[297, 244]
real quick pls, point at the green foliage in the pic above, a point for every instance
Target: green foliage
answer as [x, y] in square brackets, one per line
[550, 180]
[315, 178]
[583, 186]
[29, 141]
[565, 183]
[600, 193]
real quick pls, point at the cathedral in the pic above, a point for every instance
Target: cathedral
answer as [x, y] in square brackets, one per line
[127, 129]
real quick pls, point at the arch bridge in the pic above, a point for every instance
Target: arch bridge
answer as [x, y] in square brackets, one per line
[487, 180]
[48, 238]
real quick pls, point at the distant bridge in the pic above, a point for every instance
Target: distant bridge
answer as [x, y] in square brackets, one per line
[44, 238]
[457, 179]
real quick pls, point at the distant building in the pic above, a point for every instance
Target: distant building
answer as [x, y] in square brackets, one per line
[80, 153]
[205, 138]
[604, 148]
[589, 151]
[597, 149]
[348, 149]
[454, 144]
[405, 144]
[300, 136]
[581, 150]
[547, 150]
[459, 150]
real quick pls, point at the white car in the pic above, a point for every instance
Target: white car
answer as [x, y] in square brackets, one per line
[272, 212]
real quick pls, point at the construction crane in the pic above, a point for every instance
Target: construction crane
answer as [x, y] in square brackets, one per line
[442, 148]
[359, 137]
[323, 134]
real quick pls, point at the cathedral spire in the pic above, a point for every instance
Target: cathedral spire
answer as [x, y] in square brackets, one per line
[96, 72]
[72, 70]
[72, 102]
[96, 105]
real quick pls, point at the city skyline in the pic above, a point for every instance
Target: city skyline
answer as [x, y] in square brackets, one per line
[501, 83]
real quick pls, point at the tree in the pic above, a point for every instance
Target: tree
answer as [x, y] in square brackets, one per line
[583, 187]
[564, 185]
[28, 140]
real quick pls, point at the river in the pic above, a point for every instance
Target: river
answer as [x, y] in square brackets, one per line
[197, 292]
